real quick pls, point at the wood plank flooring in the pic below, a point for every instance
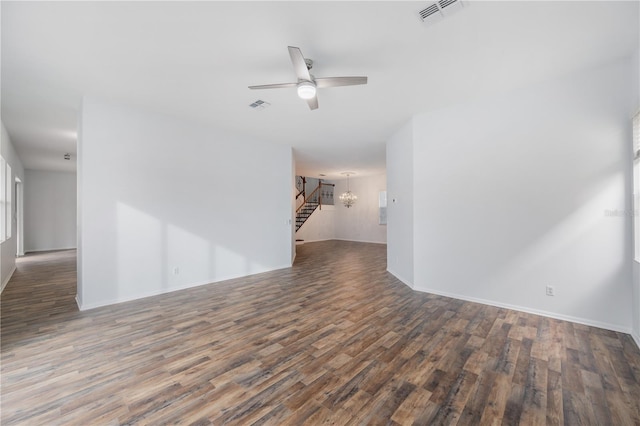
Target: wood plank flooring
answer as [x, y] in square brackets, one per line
[333, 340]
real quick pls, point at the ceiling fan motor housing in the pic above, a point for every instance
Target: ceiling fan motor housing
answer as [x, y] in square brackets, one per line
[306, 89]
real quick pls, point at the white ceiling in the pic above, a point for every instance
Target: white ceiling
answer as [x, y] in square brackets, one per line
[195, 60]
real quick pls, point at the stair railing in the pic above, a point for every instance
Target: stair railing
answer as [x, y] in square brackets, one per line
[310, 197]
[315, 198]
[313, 193]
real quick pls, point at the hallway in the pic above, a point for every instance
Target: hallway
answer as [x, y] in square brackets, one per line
[42, 290]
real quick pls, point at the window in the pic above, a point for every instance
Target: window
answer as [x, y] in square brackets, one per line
[636, 184]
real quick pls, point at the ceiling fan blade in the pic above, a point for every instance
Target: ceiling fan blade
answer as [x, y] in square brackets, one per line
[274, 86]
[299, 65]
[313, 103]
[339, 81]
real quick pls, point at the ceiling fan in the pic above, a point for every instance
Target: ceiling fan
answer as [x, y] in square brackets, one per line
[307, 83]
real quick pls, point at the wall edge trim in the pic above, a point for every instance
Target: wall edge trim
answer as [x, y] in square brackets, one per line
[636, 338]
[578, 320]
[51, 249]
[403, 280]
[360, 241]
[6, 281]
[88, 306]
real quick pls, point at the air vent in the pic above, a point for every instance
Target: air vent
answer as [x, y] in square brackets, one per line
[436, 11]
[446, 3]
[428, 11]
[259, 104]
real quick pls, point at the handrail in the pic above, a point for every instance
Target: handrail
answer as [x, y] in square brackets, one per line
[320, 184]
[309, 197]
[302, 191]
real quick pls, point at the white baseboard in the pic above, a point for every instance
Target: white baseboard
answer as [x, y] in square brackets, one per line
[159, 291]
[361, 241]
[403, 280]
[6, 281]
[636, 338]
[313, 241]
[578, 320]
[50, 249]
[142, 295]
[343, 239]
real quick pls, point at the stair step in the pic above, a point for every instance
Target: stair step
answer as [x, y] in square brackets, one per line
[304, 213]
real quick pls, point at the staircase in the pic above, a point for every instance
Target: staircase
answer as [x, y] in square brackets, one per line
[304, 212]
[312, 201]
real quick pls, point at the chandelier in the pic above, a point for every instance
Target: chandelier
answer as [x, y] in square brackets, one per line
[348, 198]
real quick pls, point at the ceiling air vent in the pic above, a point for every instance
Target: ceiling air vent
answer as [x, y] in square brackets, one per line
[436, 11]
[259, 104]
[446, 3]
[428, 11]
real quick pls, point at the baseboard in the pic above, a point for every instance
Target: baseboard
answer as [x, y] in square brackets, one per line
[361, 241]
[6, 281]
[344, 239]
[403, 280]
[158, 292]
[578, 320]
[50, 249]
[315, 241]
[636, 338]
[143, 295]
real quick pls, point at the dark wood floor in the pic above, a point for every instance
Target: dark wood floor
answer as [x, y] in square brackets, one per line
[335, 339]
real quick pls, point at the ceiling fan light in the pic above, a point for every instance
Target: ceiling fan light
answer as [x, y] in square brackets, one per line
[306, 90]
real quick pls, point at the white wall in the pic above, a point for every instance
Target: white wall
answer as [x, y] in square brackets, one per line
[158, 196]
[360, 221]
[400, 194]
[50, 210]
[635, 85]
[510, 195]
[8, 248]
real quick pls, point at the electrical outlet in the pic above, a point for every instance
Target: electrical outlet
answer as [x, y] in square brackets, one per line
[551, 291]
[176, 270]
